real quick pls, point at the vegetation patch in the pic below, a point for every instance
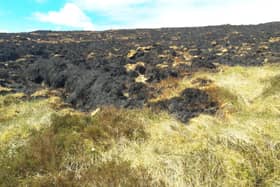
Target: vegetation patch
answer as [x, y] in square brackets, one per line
[67, 150]
[44, 143]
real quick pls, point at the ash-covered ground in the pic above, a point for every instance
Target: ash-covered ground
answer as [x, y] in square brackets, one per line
[120, 67]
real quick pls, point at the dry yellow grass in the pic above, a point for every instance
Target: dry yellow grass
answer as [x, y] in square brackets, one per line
[241, 149]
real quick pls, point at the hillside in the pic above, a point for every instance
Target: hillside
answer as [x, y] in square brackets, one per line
[163, 107]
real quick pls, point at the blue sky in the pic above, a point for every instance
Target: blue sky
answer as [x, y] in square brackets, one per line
[29, 15]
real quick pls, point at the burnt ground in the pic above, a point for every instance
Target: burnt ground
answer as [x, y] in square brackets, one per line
[119, 67]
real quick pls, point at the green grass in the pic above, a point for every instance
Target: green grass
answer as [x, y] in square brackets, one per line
[44, 144]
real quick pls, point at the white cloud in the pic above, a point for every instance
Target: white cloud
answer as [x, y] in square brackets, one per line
[161, 13]
[70, 15]
[116, 10]
[237, 12]
[180, 13]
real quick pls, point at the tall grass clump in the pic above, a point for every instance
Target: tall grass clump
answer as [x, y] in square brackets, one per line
[68, 151]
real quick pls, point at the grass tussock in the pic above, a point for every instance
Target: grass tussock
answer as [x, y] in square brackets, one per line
[68, 151]
[238, 146]
[273, 86]
[120, 123]
[113, 173]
